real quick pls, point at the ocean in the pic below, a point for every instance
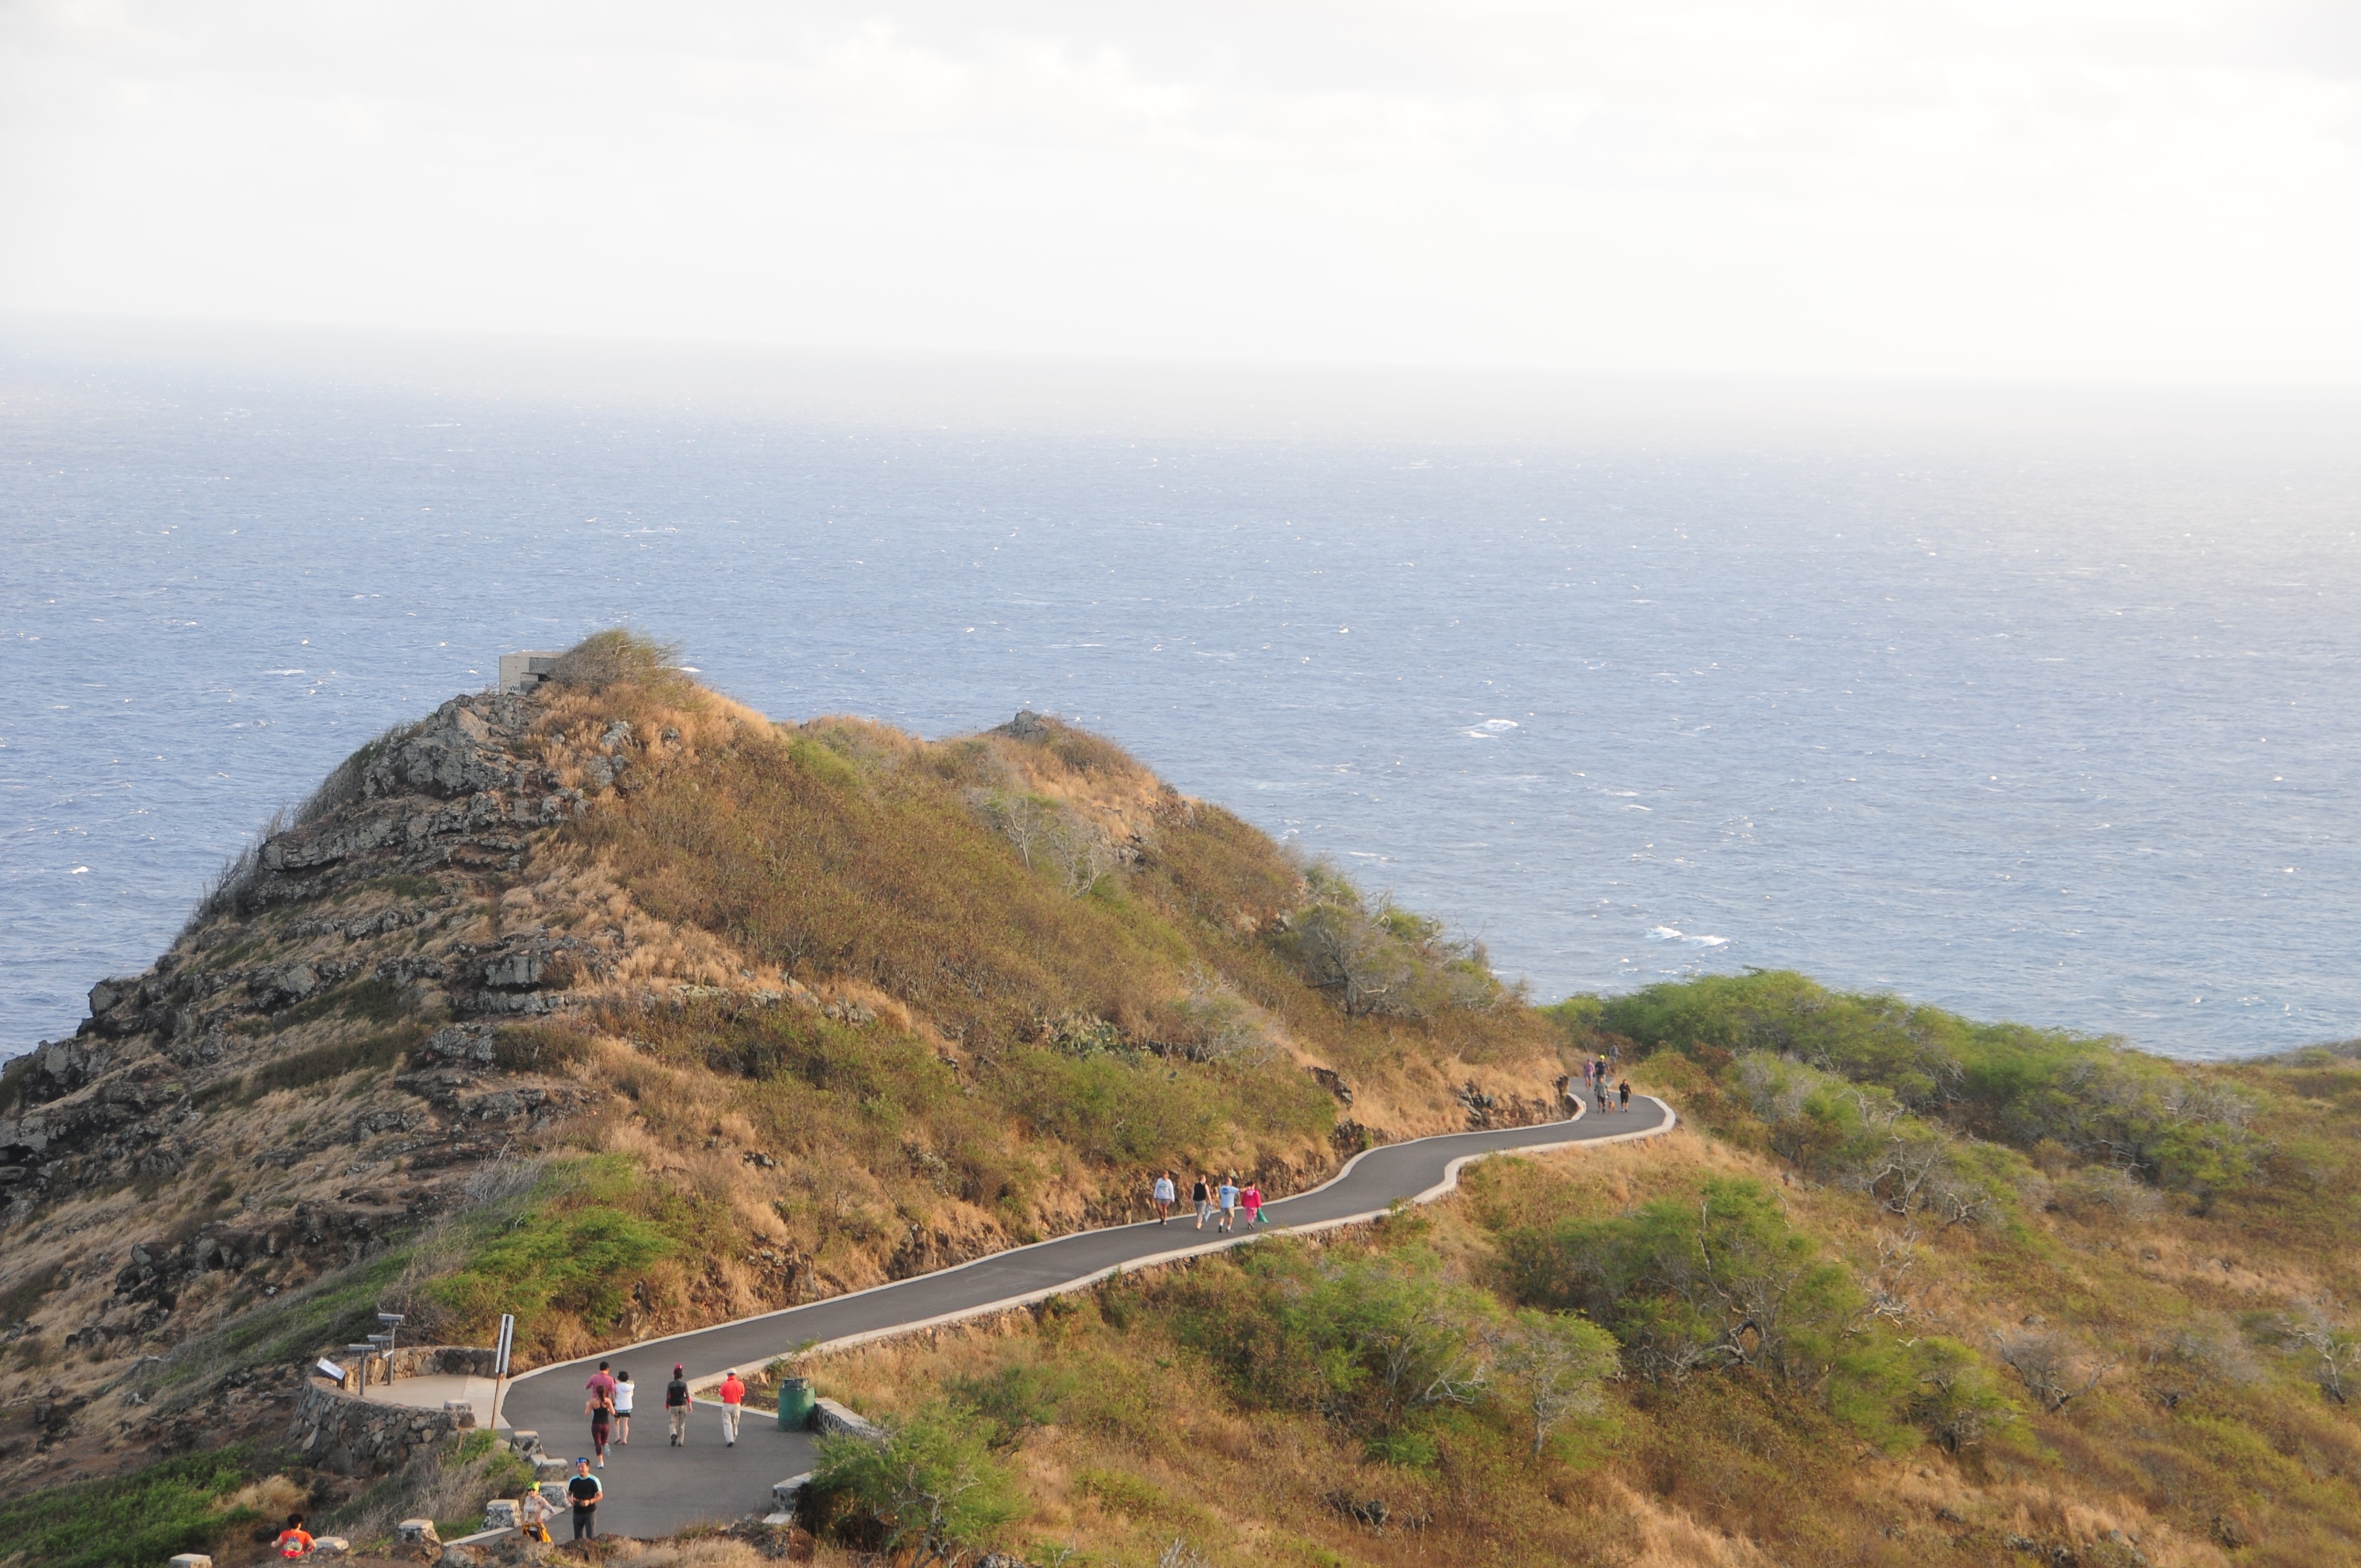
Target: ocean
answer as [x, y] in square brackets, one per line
[2038, 704]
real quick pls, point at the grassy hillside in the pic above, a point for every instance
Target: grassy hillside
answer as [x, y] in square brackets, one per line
[924, 999]
[1904, 1289]
[624, 1008]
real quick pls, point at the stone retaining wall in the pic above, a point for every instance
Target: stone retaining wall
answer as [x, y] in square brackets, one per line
[354, 1436]
[420, 1360]
[433, 1360]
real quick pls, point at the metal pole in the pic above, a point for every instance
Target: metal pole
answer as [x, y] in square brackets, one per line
[392, 1323]
[500, 1362]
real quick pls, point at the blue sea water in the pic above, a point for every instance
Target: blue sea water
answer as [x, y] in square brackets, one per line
[2045, 711]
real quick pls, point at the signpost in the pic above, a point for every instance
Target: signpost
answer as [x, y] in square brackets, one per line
[364, 1352]
[500, 1361]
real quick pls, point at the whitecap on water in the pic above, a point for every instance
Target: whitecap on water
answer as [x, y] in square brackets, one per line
[1670, 933]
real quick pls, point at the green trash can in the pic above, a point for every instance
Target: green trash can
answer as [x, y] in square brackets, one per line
[796, 1403]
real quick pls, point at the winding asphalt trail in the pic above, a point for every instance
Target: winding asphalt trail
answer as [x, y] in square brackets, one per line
[653, 1489]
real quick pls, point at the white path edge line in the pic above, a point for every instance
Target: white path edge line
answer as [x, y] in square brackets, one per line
[1449, 1183]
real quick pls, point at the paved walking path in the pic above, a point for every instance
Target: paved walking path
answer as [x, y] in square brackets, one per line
[653, 1489]
[434, 1390]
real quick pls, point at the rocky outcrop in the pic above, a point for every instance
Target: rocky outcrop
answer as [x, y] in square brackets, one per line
[253, 999]
[1503, 1109]
[460, 787]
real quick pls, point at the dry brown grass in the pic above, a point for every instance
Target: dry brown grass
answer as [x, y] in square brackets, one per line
[1720, 1474]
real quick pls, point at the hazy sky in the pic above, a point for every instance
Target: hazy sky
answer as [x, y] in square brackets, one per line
[2108, 188]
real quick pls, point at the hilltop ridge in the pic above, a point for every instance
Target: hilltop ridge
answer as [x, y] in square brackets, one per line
[738, 1012]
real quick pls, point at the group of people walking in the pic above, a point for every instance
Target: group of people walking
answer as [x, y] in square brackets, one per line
[1227, 1202]
[1605, 1096]
[1224, 1201]
[609, 1409]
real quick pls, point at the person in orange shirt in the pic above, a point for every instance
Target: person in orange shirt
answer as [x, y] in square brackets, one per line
[733, 1400]
[294, 1541]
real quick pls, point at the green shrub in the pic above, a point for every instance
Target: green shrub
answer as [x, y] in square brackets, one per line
[2170, 1123]
[130, 1521]
[1014, 1400]
[1723, 1282]
[927, 1485]
[619, 655]
[1372, 1343]
[575, 1245]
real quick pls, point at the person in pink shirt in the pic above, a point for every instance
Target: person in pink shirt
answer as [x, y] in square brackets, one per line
[1251, 1202]
[601, 1409]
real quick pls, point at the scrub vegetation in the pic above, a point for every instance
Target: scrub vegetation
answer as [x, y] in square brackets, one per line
[715, 1015]
[624, 1008]
[889, 1003]
[1904, 1289]
[187, 1504]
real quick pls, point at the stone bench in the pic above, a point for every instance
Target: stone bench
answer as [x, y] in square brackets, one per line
[784, 1496]
[837, 1420]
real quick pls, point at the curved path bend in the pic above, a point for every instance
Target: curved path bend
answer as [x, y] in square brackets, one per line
[653, 1489]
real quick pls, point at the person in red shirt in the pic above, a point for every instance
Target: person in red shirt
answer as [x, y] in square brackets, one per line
[733, 1399]
[294, 1541]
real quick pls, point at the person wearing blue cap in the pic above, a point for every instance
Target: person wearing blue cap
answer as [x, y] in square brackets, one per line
[585, 1491]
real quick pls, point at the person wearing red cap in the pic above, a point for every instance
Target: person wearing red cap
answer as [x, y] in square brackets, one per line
[733, 1401]
[676, 1406]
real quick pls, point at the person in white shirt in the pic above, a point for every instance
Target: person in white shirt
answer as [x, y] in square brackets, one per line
[1166, 1195]
[624, 1392]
